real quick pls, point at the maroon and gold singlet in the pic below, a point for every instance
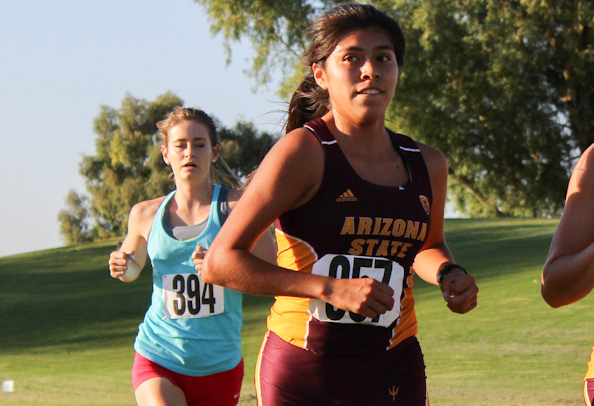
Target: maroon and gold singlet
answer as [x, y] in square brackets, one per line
[352, 228]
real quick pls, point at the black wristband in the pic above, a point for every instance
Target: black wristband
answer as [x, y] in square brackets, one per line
[446, 270]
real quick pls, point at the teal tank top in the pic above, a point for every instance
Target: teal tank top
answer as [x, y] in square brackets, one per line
[191, 328]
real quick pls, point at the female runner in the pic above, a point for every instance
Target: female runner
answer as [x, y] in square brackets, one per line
[188, 348]
[360, 209]
[568, 274]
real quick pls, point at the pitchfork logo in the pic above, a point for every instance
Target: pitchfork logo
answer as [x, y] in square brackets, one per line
[424, 203]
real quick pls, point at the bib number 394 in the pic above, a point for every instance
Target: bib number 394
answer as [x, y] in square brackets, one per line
[351, 267]
[186, 296]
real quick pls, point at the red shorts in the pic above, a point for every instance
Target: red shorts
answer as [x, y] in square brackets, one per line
[588, 391]
[220, 389]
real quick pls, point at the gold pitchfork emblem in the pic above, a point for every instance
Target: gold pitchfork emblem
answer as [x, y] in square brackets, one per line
[394, 391]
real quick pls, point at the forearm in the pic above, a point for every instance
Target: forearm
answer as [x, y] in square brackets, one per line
[568, 278]
[132, 270]
[429, 261]
[239, 270]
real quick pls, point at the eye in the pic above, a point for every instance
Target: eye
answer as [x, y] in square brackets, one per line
[350, 58]
[384, 58]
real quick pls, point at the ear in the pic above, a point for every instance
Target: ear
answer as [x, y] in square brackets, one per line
[216, 152]
[164, 153]
[319, 75]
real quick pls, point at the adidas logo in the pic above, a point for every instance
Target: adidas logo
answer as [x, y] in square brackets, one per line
[347, 196]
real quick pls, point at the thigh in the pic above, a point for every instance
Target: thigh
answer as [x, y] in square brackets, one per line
[154, 385]
[290, 376]
[221, 389]
[287, 375]
[159, 392]
[404, 382]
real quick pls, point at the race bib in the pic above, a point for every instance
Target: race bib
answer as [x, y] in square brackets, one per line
[351, 267]
[186, 296]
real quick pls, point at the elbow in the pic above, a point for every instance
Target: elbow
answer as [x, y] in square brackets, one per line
[551, 297]
[551, 300]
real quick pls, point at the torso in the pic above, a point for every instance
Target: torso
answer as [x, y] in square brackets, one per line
[352, 226]
[191, 328]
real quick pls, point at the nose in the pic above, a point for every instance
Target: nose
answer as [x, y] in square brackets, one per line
[369, 70]
[189, 150]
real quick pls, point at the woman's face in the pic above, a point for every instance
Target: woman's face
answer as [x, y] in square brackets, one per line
[189, 150]
[360, 75]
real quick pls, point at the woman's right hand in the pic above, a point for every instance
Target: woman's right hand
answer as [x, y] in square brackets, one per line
[364, 296]
[118, 264]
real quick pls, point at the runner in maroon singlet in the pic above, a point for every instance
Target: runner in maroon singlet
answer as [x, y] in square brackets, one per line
[359, 209]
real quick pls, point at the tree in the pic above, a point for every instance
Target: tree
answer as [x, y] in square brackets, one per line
[74, 225]
[243, 147]
[128, 166]
[502, 87]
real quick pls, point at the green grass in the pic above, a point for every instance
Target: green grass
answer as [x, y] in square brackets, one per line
[67, 328]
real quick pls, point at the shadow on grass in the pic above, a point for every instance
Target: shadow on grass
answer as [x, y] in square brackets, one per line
[66, 298]
[495, 248]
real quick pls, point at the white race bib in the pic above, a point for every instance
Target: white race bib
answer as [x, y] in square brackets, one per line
[186, 296]
[351, 267]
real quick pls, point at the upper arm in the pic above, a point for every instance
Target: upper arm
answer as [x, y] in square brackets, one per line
[140, 222]
[576, 227]
[437, 167]
[289, 176]
[265, 247]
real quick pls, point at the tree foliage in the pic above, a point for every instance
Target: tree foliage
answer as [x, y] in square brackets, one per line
[503, 87]
[128, 166]
[244, 147]
[74, 225]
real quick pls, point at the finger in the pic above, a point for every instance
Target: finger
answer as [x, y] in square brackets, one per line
[118, 262]
[381, 298]
[463, 308]
[460, 284]
[464, 302]
[200, 249]
[118, 268]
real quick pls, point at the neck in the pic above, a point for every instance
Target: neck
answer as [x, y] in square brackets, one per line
[189, 195]
[363, 135]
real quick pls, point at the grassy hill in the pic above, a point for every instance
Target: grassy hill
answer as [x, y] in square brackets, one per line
[67, 328]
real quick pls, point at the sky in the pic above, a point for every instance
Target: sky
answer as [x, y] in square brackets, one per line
[61, 61]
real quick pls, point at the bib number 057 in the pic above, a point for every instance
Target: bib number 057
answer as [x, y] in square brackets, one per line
[187, 296]
[351, 267]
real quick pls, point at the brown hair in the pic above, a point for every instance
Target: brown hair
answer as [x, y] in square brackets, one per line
[309, 100]
[220, 172]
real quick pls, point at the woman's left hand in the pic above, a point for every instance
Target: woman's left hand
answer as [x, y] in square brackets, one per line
[198, 257]
[460, 292]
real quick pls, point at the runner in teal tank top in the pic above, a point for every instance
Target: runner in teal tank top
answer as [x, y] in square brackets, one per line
[188, 348]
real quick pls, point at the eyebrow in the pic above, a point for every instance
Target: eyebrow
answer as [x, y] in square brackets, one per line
[189, 139]
[378, 48]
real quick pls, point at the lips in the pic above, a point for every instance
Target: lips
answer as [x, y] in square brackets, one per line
[370, 91]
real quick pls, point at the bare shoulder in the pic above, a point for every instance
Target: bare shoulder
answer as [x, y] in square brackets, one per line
[297, 158]
[143, 213]
[586, 162]
[300, 140]
[436, 162]
[582, 179]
